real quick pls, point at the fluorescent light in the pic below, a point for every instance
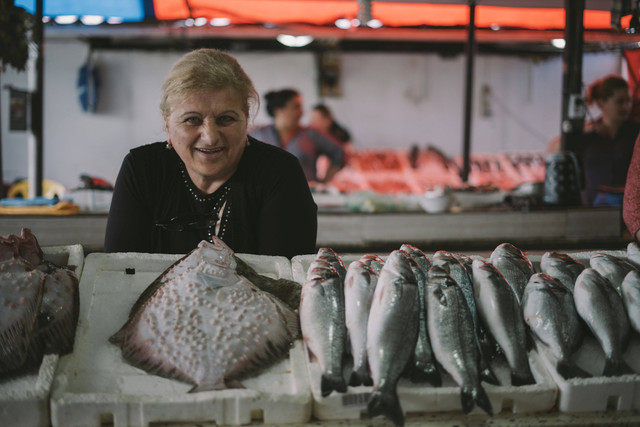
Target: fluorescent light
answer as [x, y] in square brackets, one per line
[220, 22]
[114, 20]
[374, 23]
[199, 22]
[189, 22]
[294, 41]
[66, 19]
[343, 24]
[92, 19]
[558, 43]
[495, 27]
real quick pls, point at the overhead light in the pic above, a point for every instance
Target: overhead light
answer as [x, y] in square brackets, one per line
[199, 22]
[343, 23]
[220, 22]
[294, 41]
[92, 19]
[495, 27]
[114, 20]
[374, 23]
[46, 19]
[558, 43]
[355, 22]
[66, 19]
[189, 22]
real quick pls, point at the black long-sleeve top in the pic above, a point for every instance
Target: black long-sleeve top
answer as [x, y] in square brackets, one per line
[269, 209]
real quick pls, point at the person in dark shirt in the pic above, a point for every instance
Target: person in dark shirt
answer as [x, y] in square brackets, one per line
[210, 178]
[322, 119]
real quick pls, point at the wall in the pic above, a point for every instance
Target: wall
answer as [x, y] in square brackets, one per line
[389, 100]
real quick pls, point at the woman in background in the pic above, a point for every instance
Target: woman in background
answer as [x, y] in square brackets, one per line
[209, 178]
[285, 107]
[631, 201]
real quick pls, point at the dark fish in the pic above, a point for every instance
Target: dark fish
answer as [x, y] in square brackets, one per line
[550, 312]
[392, 333]
[514, 266]
[562, 267]
[287, 291]
[452, 334]
[201, 323]
[322, 319]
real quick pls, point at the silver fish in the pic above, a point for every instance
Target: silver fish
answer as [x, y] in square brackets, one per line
[562, 267]
[392, 333]
[514, 266]
[633, 254]
[201, 323]
[452, 334]
[631, 297]
[601, 307]
[464, 279]
[322, 320]
[550, 312]
[328, 255]
[359, 285]
[423, 366]
[611, 267]
[501, 313]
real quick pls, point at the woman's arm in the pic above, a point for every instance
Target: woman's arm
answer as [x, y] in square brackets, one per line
[631, 200]
[330, 148]
[128, 225]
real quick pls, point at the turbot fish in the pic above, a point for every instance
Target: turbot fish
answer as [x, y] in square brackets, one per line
[423, 366]
[550, 312]
[631, 297]
[322, 319]
[601, 307]
[464, 279]
[359, 285]
[501, 313]
[514, 266]
[452, 334]
[392, 333]
[611, 267]
[561, 266]
[201, 323]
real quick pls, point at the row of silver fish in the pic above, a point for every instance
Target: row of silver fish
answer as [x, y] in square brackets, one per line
[39, 304]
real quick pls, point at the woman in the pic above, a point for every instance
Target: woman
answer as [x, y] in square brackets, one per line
[285, 106]
[322, 120]
[631, 201]
[605, 150]
[209, 178]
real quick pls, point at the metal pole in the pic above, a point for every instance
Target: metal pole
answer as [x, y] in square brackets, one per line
[471, 47]
[37, 105]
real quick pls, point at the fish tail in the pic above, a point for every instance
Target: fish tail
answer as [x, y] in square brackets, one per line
[616, 366]
[360, 377]
[522, 378]
[481, 399]
[386, 404]
[331, 382]
[571, 370]
[486, 373]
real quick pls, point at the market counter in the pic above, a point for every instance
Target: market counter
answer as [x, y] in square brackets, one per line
[357, 232]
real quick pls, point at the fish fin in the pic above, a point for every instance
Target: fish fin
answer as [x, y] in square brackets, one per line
[360, 377]
[616, 367]
[571, 370]
[429, 373]
[482, 400]
[215, 386]
[522, 378]
[486, 372]
[466, 399]
[331, 382]
[386, 404]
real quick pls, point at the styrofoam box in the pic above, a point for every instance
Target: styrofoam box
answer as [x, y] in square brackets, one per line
[598, 393]
[95, 385]
[24, 399]
[421, 398]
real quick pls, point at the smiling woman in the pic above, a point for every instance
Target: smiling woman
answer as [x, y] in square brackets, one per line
[210, 178]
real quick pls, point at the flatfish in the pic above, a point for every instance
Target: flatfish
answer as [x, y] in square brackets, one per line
[601, 307]
[201, 323]
[501, 313]
[360, 283]
[561, 266]
[631, 297]
[322, 319]
[611, 267]
[514, 266]
[452, 334]
[550, 313]
[392, 333]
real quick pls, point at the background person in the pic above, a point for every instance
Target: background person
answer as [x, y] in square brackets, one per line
[322, 119]
[209, 177]
[285, 107]
[631, 200]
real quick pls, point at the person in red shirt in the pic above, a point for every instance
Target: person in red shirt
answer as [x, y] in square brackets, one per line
[631, 200]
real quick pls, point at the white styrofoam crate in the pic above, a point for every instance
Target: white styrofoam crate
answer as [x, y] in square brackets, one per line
[598, 393]
[422, 398]
[24, 399]
[94, 384]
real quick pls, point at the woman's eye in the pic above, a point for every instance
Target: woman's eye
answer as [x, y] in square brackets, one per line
[193, 120]
[225, 120]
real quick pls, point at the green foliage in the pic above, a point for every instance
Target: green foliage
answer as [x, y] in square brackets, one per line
[15, 24]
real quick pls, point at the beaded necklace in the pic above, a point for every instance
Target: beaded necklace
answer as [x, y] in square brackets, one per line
[219, 206]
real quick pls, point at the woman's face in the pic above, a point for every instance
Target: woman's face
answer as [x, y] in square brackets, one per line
[208, 130]
[291, 113]
[320, 121]
[617, 107]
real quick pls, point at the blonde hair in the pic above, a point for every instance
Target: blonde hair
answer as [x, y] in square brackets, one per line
[207, 69]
